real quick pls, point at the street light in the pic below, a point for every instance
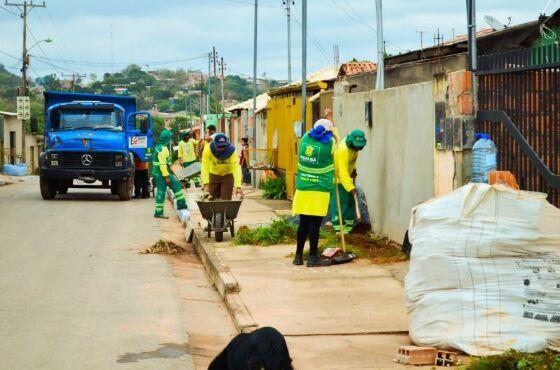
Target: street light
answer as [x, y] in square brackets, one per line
[47, 40]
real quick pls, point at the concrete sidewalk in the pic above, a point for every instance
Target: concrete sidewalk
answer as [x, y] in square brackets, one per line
[337, 317]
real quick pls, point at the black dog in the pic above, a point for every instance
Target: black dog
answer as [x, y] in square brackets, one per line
[265, 348]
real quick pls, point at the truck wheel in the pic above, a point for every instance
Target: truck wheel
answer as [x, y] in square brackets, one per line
[125, 188]
[63, 190]
[114, 187]
[48, 188]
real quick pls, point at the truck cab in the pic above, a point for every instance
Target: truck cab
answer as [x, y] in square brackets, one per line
[91, 141]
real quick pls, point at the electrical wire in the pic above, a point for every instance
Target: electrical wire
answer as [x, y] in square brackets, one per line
[104, 64]
[9, 11]
[9, 55]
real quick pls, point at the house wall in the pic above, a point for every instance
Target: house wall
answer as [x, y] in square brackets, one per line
[396, 169]
[11, 123]
[33, 148]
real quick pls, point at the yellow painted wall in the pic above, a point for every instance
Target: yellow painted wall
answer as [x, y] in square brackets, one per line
[283, 111]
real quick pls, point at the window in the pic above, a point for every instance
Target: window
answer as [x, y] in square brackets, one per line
[80, 119]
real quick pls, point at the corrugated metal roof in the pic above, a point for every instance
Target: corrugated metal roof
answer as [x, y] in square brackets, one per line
[262, 101]
[8, 113]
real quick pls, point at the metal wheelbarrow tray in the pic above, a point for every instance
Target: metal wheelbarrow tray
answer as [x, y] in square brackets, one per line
[220, 215]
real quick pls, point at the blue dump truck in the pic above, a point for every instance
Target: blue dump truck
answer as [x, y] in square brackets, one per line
[91, 141]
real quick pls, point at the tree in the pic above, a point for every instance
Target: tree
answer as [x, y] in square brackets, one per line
[49, 82]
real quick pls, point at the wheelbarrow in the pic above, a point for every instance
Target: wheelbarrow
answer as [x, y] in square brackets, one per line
[220, 215]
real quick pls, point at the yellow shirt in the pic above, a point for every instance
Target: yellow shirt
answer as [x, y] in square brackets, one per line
[215, 166]
[162, 160]
[344, 164]
[187, 150]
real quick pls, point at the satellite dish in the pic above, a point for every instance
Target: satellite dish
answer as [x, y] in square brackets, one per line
[495, 24]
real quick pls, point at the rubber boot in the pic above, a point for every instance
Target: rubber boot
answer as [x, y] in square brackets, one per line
[317, 261]
[298, 259]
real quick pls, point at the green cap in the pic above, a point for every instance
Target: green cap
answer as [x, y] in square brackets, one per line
[356, 139]
[165, 137]
[186, 134]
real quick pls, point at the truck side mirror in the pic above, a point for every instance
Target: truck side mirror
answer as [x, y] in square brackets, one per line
[144, 126]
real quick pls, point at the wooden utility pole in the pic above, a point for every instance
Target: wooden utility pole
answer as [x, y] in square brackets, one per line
[223, 120]
[201, 104]
[74, 76]
[421, 43]
[214, 60]
[23, 90]
[287, 4]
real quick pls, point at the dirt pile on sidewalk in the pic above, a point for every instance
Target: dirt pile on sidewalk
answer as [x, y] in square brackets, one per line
[378, 250]
[163, 247]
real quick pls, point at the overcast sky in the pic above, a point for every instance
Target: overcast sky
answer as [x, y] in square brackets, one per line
[180, 33]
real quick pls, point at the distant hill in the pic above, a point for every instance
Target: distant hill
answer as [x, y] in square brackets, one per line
[9, 83]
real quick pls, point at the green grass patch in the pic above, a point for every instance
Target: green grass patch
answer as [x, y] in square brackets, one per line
[278, 232]
[513, 360]
[274, 188]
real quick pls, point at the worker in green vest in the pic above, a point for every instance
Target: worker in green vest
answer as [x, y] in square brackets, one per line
[345, 157]
[187, 153]
[314, 183]
[162, 176]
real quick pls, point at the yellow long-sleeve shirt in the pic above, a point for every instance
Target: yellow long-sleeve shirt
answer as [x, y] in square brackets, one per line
[215, 166]
[163, 158]
[345, 163]
[187, 150]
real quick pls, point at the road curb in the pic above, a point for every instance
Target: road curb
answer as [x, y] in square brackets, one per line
[222, 278]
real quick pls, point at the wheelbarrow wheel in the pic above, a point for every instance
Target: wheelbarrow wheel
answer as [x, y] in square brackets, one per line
[219, 236]
[209, 230]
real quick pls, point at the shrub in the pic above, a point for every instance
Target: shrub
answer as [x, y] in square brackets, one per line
[274, 188]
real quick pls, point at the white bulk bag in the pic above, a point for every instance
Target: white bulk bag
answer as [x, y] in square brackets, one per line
[485, 271]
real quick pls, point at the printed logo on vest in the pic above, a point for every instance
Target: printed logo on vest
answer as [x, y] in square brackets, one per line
[310, 154]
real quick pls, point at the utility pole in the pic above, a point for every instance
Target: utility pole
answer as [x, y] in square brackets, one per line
[380, 80]
[201, 104]
[336, 56]
[255, 29]
[27, 7]
[303, 63]
[473, 66]
[74, 76]
[223, 120]
[421, 43]
[287, 4]
[208, 87]
[214, 57]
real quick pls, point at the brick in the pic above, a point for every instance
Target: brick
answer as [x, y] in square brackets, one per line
[413, 355]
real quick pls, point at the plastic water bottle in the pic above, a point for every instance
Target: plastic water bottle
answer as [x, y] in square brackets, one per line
[483, 158]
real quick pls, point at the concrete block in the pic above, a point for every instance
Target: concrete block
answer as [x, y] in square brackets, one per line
[446, 358]
[413, 355]
[2, 182]
[242, 319]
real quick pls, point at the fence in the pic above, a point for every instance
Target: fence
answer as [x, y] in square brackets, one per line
[519, 107]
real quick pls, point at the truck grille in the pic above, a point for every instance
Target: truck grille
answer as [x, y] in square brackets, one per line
[74, 160]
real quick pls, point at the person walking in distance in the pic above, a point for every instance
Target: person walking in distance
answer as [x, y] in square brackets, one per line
[162, 176]
[244, 161]
[206, 139]
[314, 183]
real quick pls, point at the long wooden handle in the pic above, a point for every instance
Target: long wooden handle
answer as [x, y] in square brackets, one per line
[340, 218]
[358, 213]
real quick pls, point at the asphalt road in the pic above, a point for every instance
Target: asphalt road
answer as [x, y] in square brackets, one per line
[74, 291]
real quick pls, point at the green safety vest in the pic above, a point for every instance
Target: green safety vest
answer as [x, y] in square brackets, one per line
[315, 165]
[155, 160]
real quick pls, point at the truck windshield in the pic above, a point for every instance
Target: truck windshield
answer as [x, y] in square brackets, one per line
[79, 119]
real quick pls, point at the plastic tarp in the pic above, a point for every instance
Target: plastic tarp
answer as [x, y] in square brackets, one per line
[485, 271]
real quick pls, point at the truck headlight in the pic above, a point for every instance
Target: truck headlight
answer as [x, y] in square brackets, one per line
[54, 155]
[119, 160]
[54, 162]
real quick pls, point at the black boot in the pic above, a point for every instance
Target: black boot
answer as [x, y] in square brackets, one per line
[298, 259]
[317, 261]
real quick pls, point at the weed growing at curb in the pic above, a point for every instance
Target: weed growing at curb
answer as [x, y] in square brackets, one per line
[513, 360]
[274, 188]
[278, 232]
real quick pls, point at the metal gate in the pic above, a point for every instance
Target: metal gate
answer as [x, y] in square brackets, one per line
[518, 102]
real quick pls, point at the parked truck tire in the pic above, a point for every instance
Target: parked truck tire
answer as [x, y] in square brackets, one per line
[114, 187]
[48, 188]
[125, 188]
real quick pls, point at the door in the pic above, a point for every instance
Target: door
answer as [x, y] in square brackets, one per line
[12, 155]
[139, 134]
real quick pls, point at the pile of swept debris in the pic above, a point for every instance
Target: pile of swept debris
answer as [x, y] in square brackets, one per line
[163, 247]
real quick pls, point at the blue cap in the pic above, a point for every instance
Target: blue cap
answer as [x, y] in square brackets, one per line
[482, 135]
[221, 140]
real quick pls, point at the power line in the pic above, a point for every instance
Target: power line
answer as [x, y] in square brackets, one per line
[9, 11]
[9, 55]
[102, 64]
[315, 42]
